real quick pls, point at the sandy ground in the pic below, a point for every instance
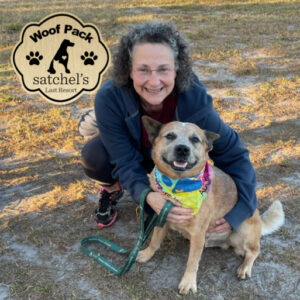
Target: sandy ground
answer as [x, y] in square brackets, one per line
[42, 249]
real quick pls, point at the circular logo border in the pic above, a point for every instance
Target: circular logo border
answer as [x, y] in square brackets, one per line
[47, 97]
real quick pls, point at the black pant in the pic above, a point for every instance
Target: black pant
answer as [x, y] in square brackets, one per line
[96, 165]
[95, 162]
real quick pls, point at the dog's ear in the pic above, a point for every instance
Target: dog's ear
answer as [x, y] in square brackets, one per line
[152, 127]
[210, 138]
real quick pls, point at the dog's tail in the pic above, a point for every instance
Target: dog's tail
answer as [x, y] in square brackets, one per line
[273, 218]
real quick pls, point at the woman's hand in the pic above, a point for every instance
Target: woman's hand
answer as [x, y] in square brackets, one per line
[221, 226]
[177, 214]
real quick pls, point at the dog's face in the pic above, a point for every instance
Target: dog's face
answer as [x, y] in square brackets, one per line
[68, 43]
[180, 150]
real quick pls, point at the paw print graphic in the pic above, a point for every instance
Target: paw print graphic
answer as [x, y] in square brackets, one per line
[34, 58]
[89, 58]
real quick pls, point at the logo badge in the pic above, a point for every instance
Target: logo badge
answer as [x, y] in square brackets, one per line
[60, 57]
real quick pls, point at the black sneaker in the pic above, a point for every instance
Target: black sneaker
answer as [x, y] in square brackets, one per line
[106, 214]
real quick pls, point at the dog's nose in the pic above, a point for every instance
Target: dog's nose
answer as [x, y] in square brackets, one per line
[182, 151]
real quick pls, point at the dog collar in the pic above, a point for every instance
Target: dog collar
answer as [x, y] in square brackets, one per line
[190, 192]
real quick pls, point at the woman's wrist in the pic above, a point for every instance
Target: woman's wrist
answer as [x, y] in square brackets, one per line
[144, 194]
[149, 198]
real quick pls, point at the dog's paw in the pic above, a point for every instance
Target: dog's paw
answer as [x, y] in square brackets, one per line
[34, 58]
[144, 255]
[243, 271]
[188, 283]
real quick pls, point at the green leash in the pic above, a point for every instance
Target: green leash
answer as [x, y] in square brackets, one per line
[156, 220]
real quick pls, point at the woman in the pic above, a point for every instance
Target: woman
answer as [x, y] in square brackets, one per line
[153, 76]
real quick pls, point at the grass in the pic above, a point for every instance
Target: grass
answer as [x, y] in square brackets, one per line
[246, 52]
[33, 130]
[14, 27]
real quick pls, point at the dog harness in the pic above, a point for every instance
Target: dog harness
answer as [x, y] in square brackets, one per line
[190, 192]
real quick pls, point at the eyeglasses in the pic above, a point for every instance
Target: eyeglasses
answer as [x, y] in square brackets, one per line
[162, 72]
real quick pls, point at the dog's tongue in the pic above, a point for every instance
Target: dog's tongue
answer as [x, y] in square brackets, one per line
[180, 164]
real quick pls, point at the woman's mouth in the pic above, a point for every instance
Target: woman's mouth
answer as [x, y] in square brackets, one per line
[153, 91]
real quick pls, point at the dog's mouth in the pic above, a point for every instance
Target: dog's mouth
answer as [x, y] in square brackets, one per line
[180, 165]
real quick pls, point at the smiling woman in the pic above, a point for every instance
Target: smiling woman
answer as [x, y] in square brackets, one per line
[152, 76]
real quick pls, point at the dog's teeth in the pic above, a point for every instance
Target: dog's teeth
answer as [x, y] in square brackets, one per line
[180, 164]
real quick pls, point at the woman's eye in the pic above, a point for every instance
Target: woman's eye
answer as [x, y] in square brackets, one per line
[195, 139]
[162, 70]
[170, 136]
[143, 71]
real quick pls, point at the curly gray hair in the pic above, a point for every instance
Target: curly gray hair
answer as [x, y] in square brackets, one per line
[153, 32]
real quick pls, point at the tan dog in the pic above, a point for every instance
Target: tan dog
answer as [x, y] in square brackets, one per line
[194, 145]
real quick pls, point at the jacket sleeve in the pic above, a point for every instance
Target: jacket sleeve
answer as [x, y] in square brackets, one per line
[123, 155]
[230, 155]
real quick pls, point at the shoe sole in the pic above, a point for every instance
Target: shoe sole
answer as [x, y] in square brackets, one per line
[110, 223]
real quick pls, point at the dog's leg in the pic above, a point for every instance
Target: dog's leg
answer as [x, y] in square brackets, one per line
[246, 267]
[246, 242]
[158, 235]
[65, 64]
[66, 60]
[51, 69]
[189, 279]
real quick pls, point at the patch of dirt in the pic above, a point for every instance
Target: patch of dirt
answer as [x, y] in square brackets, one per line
[50, 241]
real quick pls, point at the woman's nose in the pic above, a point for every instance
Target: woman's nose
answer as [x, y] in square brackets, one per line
[154, 78]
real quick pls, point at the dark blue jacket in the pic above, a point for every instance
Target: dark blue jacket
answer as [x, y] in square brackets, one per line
[118, 118]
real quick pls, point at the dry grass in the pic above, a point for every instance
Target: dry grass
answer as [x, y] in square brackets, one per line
[30, 129]
[246, 53]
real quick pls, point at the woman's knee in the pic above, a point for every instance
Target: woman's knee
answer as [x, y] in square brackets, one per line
[95, 161]
[88, 158]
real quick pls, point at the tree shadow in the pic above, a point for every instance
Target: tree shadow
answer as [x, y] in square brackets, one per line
[283, 130]
[41, 176]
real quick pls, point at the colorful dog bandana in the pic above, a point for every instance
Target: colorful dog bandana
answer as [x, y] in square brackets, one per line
[190, 192]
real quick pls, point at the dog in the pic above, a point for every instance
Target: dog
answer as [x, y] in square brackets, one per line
[180, 151]
[61, 56]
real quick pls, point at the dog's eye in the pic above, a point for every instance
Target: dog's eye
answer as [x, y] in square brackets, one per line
[194, 139]
[170, 136]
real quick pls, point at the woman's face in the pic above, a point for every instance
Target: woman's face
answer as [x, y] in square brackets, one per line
[153, 72]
